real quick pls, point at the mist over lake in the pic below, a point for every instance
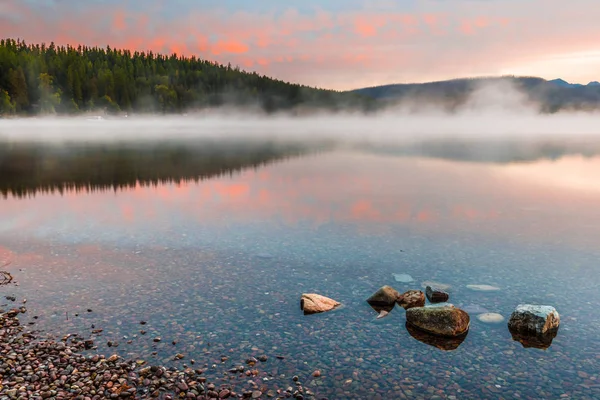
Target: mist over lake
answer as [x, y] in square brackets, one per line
[209, 229]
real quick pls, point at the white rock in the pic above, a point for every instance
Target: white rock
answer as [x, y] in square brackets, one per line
[490, 318]
[483, 288]
[404, 278]
[534, 318]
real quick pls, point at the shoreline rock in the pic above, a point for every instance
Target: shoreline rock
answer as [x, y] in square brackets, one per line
[38, 367]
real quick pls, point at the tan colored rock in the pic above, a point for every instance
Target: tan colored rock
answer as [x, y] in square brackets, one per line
[385, 296]
[312, 303]
[442, 321]
[411, 299]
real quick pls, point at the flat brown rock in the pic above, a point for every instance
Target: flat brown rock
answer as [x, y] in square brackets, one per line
[312, 303]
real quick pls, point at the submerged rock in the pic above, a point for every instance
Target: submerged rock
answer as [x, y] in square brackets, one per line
[442, 321]
[436, 295]
[483, 288]
[529, 318]
[411, 299]
[490, 318]
[474, 309]
[441, 342]
[312, 303]
[438, 285]
[385, 296]
[404, 278]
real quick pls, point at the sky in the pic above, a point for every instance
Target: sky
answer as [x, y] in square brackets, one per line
[336, 44]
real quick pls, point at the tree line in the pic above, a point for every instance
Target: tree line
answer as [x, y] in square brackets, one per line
[48, 79]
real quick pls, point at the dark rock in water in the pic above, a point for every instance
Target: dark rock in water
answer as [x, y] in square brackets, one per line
[441, 342]
[411, 299]
[529, 318]
[533, 339]
[442, 321]
[312, 303]
[435, 295]
[385, 296]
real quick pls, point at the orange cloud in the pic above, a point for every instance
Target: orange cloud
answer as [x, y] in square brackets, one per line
[321, 48]
[229, 47]
[119, 20]
[365, 29]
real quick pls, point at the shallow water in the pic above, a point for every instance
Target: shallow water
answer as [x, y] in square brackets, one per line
[213, 246]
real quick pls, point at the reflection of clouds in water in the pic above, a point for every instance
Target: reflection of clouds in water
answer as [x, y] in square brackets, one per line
[571, 173]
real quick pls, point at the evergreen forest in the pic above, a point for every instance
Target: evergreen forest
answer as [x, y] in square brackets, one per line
[49, 79]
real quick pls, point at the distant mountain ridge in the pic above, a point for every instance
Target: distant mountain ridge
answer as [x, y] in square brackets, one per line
[563, 83]
[551, 95]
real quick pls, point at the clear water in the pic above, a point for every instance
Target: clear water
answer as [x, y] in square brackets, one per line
[215, 255]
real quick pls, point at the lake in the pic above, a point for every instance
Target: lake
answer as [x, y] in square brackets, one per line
[212, 241]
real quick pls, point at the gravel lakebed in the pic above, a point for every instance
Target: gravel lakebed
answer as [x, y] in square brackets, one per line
[35, 366]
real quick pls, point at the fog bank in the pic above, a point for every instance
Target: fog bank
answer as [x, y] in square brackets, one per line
[494, 110]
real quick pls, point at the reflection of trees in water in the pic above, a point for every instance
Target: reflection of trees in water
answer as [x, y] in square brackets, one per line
[28, 169]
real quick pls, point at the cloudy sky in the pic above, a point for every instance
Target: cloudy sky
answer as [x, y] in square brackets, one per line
[339, 44]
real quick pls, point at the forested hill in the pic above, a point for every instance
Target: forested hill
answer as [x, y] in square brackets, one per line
[48, 79]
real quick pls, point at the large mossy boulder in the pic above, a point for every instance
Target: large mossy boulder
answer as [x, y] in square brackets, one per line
[447, 320]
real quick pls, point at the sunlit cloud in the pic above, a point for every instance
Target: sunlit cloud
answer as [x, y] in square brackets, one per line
[359, 44]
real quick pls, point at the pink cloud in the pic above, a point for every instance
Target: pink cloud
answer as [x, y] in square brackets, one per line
[351, 48]
[119, 20]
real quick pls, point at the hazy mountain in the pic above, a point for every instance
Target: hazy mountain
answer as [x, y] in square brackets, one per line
[550, 96]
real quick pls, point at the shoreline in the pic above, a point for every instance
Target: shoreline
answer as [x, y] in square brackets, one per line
[34, 366]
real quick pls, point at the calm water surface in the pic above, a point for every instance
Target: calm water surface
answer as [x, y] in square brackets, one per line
[213, 245]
